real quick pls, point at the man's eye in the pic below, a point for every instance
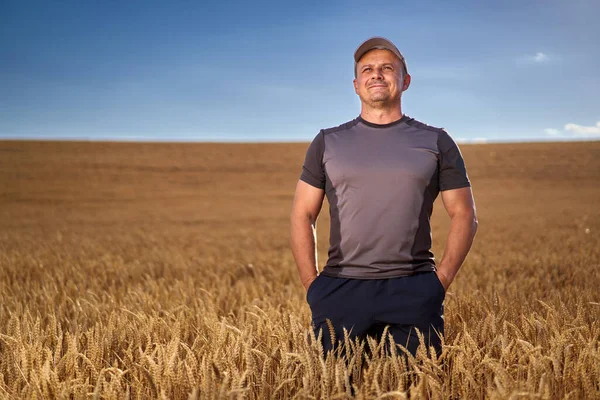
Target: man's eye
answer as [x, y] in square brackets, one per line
[388, 67]
[366, 69]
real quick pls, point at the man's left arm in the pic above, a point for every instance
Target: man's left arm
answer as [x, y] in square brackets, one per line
[460, 206]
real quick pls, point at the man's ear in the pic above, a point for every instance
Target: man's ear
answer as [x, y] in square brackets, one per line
[406, 82]
[355, 86]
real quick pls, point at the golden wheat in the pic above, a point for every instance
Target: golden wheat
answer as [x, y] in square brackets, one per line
[162, 271]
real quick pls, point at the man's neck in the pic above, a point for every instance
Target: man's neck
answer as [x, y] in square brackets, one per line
[381, 117]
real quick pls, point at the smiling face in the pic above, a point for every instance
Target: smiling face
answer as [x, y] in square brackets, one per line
[380, 79]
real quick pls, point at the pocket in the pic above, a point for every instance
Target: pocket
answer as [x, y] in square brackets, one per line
[438, 283]
[312, 287]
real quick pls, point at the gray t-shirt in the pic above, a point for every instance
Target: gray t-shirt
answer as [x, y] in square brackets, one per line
[381, 182]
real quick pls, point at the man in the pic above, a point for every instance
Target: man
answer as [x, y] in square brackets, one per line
[381, 173]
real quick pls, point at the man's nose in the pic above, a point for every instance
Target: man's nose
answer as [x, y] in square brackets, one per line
[377, 73]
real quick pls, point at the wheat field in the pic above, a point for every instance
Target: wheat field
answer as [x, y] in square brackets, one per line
[140, 270]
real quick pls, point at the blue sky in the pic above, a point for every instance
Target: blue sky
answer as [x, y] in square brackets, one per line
[280, 71]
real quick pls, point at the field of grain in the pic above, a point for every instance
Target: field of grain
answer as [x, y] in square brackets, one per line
[163, 271]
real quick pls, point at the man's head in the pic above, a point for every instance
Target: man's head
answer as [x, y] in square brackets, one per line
[380, 43]
[380, 73]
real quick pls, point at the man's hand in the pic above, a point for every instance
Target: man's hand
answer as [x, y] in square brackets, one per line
[443, 280]
[308, 282]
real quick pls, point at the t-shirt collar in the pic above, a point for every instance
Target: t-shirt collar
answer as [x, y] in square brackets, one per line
[372, 125]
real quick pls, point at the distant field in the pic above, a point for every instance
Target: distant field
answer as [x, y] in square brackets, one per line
[163, 271]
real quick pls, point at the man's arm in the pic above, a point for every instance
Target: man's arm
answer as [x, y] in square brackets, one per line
[305, 210]
[460, 206]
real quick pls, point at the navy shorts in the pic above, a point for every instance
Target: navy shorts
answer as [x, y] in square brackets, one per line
[365, 307]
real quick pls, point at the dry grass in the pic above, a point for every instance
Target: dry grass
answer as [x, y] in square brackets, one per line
[162, 271]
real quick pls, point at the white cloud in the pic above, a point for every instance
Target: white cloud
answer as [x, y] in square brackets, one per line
[537, 58]
[575, 130]
[552, 132]
[581, 130]
[540, 57]
[477, 140]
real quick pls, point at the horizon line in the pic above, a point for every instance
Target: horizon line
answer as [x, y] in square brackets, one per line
[270, 141]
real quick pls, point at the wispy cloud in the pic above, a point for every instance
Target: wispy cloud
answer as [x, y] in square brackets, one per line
[575, 130]
[552, 132]
[477, 140]
[584, 130]
[540, 57]
[536, 58]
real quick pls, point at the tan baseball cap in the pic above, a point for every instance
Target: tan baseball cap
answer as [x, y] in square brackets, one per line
[378, 42]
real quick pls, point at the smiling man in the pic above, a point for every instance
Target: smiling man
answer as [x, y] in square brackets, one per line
[381, 173]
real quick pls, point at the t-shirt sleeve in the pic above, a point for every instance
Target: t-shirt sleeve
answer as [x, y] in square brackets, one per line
[313, 171]
[453, 173]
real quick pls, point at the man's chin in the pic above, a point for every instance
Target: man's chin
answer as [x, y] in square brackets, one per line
[380, 101]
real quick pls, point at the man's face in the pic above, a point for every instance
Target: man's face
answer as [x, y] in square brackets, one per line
[380, 79]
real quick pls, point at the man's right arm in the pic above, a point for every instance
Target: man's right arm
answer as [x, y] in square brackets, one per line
[303, 238]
